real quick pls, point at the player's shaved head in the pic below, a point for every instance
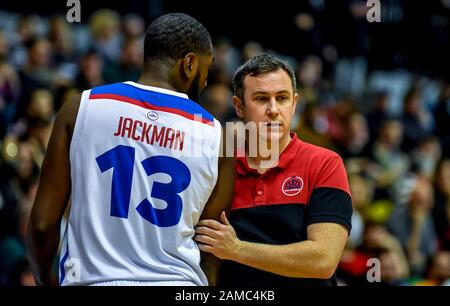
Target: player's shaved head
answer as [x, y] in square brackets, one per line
[172, 36]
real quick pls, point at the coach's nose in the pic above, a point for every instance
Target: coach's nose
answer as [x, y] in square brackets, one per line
[272, 108]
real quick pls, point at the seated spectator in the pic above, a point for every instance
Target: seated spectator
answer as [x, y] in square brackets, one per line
[362, 196]
[442, 119]
[441, 209]
[133, 26]
[91, 71]
[377, 241]
[386, 153]
[217, 100]
[26, 29]
[394, 268]
[104, 25]
[413, 225]
[21, 275]
[354, 138]
[129, 66]
[415, 120]
[314, 126]
[61, 40]
[380, 112]
[439, 270]
[12, 247]
[425, 157]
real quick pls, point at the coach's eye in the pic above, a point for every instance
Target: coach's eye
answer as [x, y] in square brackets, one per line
[282, 98]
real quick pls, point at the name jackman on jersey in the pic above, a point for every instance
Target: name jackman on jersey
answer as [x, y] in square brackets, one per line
[150, 133]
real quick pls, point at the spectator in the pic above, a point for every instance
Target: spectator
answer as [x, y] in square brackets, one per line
[362, 195]
[442, 119]
[105, 25]
[425, 157]
[12, 247]
[441, 209]
[133, 27]
[415, 120]
[217, 100]
[61, 40]
[91, 71]
[413, 225]
[314, 126]
[392, 162]
[380, 112]
[439, 271]
[26, 29]
[129, 66]
[21, 274]
[355, 137]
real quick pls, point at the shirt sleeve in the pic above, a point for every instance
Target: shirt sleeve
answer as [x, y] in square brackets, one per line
[330, 200]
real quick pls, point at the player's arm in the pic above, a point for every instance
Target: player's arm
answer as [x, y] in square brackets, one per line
[222, 194]
[219, 201]
[52, 196]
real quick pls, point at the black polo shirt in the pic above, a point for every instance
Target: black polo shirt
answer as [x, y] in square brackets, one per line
[309, 185]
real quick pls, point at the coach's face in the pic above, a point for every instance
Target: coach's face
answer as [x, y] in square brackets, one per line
[269, 101]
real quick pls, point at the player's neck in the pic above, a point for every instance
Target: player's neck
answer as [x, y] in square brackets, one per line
[155, 82]
[158, 76]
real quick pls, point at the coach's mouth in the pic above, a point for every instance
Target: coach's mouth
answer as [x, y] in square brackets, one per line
[273, 124]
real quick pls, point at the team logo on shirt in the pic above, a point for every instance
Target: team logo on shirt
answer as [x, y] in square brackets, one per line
[152, 115]
[292, 186]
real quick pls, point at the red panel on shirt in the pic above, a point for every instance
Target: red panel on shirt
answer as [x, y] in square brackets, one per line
[301, 168]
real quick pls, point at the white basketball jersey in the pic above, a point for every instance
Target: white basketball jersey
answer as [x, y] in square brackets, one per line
[144, 162]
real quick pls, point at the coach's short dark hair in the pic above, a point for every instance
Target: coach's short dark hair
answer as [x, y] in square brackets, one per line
[258, 65]
[172, 36]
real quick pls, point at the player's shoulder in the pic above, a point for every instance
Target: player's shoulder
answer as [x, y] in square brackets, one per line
[106, 88]
[197, 106]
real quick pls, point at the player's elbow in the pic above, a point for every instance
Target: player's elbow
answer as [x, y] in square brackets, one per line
[39, 226]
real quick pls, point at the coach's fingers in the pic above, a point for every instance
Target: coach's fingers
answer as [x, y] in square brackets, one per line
[203, 230]
[205, 248]
[223, 218]
[203, 239]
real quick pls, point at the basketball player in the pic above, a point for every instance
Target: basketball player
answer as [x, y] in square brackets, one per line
[127, 156]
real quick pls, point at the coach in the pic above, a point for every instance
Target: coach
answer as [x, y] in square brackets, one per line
[289, 222]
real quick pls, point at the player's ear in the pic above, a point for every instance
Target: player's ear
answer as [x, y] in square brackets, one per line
[238, 106]
[190, 65]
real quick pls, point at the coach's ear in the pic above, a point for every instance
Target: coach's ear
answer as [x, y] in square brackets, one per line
[238, 106]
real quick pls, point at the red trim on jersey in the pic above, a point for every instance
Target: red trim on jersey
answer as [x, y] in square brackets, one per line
[317, 167]
[148, 105]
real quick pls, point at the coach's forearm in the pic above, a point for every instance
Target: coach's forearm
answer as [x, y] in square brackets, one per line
[306, 259]
[42, 248]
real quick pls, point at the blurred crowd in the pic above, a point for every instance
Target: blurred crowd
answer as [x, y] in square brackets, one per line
[391, 127]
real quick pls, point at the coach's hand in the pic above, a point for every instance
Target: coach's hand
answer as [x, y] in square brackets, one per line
[217, 238]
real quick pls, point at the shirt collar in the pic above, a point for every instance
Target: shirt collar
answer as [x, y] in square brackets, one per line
[158, 89]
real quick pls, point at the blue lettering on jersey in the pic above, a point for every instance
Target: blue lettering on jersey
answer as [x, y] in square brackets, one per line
[121, 159]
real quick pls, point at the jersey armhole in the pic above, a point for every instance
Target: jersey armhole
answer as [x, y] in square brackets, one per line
[79, 124]
[216, 150]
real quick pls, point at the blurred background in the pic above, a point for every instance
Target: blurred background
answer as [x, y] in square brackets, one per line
[376, 93]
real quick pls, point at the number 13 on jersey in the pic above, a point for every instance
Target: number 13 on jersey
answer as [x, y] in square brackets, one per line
[121, 158]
